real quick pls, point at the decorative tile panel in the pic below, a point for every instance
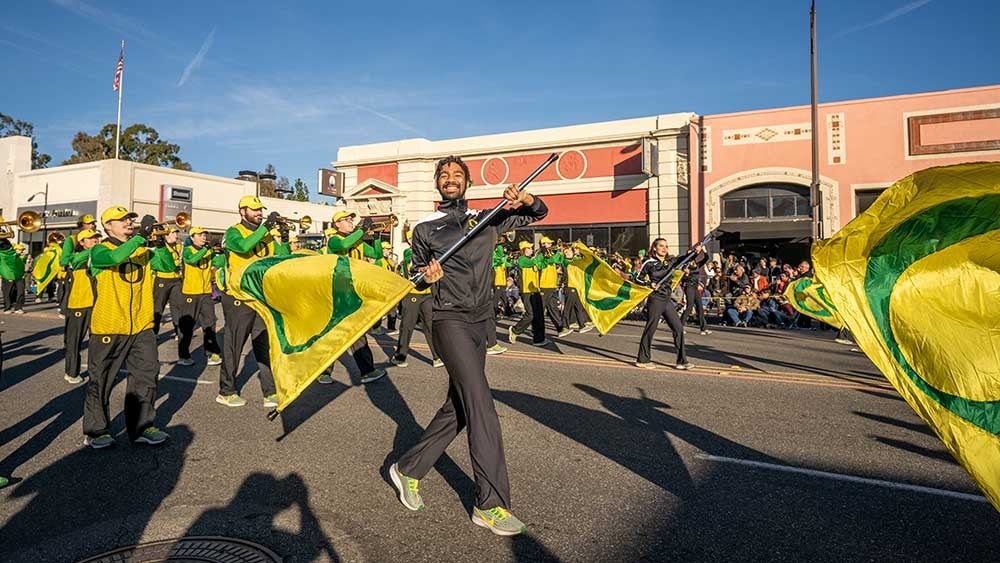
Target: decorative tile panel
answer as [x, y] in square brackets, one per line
[706, 148]
[836, 150]
[767, 134]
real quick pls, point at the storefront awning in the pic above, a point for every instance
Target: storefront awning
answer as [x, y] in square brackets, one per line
[758, 230]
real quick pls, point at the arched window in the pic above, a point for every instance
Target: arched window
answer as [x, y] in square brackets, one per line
[766, 202]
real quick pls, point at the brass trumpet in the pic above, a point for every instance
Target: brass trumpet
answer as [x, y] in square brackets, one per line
[27, 221]
[182, 221]
[377, 226]
[55, 237]
[507, 237]
[303, 224]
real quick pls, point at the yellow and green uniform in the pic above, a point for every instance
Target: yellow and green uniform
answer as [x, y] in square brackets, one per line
[198, 273]
[198, 307]
[245, 244]
[529, 273]
[548, 284]
[47, 267]
[11, 265]
[351, 245]
[123, 272]
[500, 265]
[79, 308]
[175, 255]
[81, 293]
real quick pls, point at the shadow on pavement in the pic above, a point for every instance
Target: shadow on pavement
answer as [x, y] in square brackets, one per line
[61, 413]
[314, 398]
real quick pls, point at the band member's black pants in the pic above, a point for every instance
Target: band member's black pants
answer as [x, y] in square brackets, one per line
[415, 305]
[106, 355]
[77, 326]
[167, 290]
[64, 288]
[242, 322]
[550, 297]
[661, 306]
[499, 292]
[573, 309]
[197, 310]
[694, 303]
[534, 314]
[13, 294]
[469, 405]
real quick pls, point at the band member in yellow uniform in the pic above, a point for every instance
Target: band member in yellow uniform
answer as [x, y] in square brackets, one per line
[534, 311]
[80, 302]
[347, 241]
[196, 294]
[500, 265]
[69, 246]
[168, 284]
[121, 329]
[548, 283]
[12, 260]
[416, 306]
[45, 269]
[247, 241]
[388, 263]
[574, 315]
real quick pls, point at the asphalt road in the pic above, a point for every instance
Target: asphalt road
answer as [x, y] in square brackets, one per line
[607, 462]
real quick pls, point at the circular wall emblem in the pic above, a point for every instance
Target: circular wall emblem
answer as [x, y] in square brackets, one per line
[572, 165]
[188, 550]
[495, 171]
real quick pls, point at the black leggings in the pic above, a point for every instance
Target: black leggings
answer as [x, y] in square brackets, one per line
[694, 303]
[660, 306]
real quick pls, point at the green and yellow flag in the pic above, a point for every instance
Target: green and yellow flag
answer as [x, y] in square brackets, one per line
[605, 295]
[916, 278]
[808, 296]
[315, 307]
[46, 268]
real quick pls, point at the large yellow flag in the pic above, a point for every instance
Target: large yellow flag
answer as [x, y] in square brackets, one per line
[808, 296]
[605, 295]
[916, 278]
[315, 307]
[46, 268]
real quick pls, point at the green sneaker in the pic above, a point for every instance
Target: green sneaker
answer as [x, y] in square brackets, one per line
[499, 521]
[495, 349]
[4, 482]
[408, 487]
[438, 363]
[233, 400]
[271, 401]
[214, 359]
[152, 436]
[373, 375]
[99, 442]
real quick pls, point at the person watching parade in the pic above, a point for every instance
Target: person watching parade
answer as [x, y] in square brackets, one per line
[196, 294]
[121, 328]
[79, 303]
[246, 242]
[348, 241]
[462, 297]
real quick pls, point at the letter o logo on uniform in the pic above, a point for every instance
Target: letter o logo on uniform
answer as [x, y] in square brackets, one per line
[189, 300]
[237, 303]
[161, 285]
[106, 340]
[77, 314]
[413, 300]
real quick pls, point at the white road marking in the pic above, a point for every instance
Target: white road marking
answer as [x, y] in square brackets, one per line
[848, 478]
[187, 379]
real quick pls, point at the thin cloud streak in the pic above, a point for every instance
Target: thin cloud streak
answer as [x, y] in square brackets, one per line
[398, 123]
[198, 58]
[902, 10]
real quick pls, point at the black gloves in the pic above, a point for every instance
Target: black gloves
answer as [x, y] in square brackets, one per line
[273, 219]
[5, 244]
[146, 227]
[366, 224]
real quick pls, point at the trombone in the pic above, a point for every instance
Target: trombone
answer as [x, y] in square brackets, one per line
[27, 221]
[182, 221]
[55, 237]
[377, 226]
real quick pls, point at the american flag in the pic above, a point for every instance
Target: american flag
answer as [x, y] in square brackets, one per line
[118, 70]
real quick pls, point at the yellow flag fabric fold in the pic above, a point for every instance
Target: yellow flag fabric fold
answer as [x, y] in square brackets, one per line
[315, 307]
[46, 268]
[808, 296]
[916, 278]
[605, 295]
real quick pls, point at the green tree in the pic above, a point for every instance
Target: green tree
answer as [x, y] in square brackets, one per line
[10, 127]
[301, 191]
[138, 143]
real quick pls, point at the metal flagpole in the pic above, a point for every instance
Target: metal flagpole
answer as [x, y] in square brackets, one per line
[814, 193]
[121, 81]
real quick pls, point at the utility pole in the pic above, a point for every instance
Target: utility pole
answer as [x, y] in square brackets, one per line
[814, 193]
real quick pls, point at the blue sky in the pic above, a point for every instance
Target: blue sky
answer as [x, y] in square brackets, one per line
[241, 84]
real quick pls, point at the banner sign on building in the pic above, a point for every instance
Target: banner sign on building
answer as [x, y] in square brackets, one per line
[331, 182]
[174, 200]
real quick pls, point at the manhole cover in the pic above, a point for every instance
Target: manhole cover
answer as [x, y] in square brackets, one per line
[190, 550]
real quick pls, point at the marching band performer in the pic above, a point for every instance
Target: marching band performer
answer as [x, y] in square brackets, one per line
[12, 261]
[69, 246]
[196, 294]
[548, 283]
[534, 312]
[500, 265]
[245, 242]
[347, 241]
[121, 329]
[168, 284]
[574, 315]
[416, 305]
[462, 299]
[387, 262]
[656, 271]
[79, 302]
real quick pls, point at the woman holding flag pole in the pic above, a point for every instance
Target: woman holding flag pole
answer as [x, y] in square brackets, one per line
[657, 271]
[462, 297]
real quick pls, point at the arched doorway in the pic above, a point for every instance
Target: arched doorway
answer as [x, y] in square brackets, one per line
[765, 220]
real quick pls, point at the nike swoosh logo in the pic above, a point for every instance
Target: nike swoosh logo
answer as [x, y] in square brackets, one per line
[439, 227]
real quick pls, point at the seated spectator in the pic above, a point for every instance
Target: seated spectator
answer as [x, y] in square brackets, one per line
[513, 297]
[743, 308]
[804, 269]
[739, 277]
[788, 269]
[757, 280]
[769, 312]
[779, 285]
[773, 269]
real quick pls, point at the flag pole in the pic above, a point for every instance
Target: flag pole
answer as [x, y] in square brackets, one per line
[121, 85]
[814, 193]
